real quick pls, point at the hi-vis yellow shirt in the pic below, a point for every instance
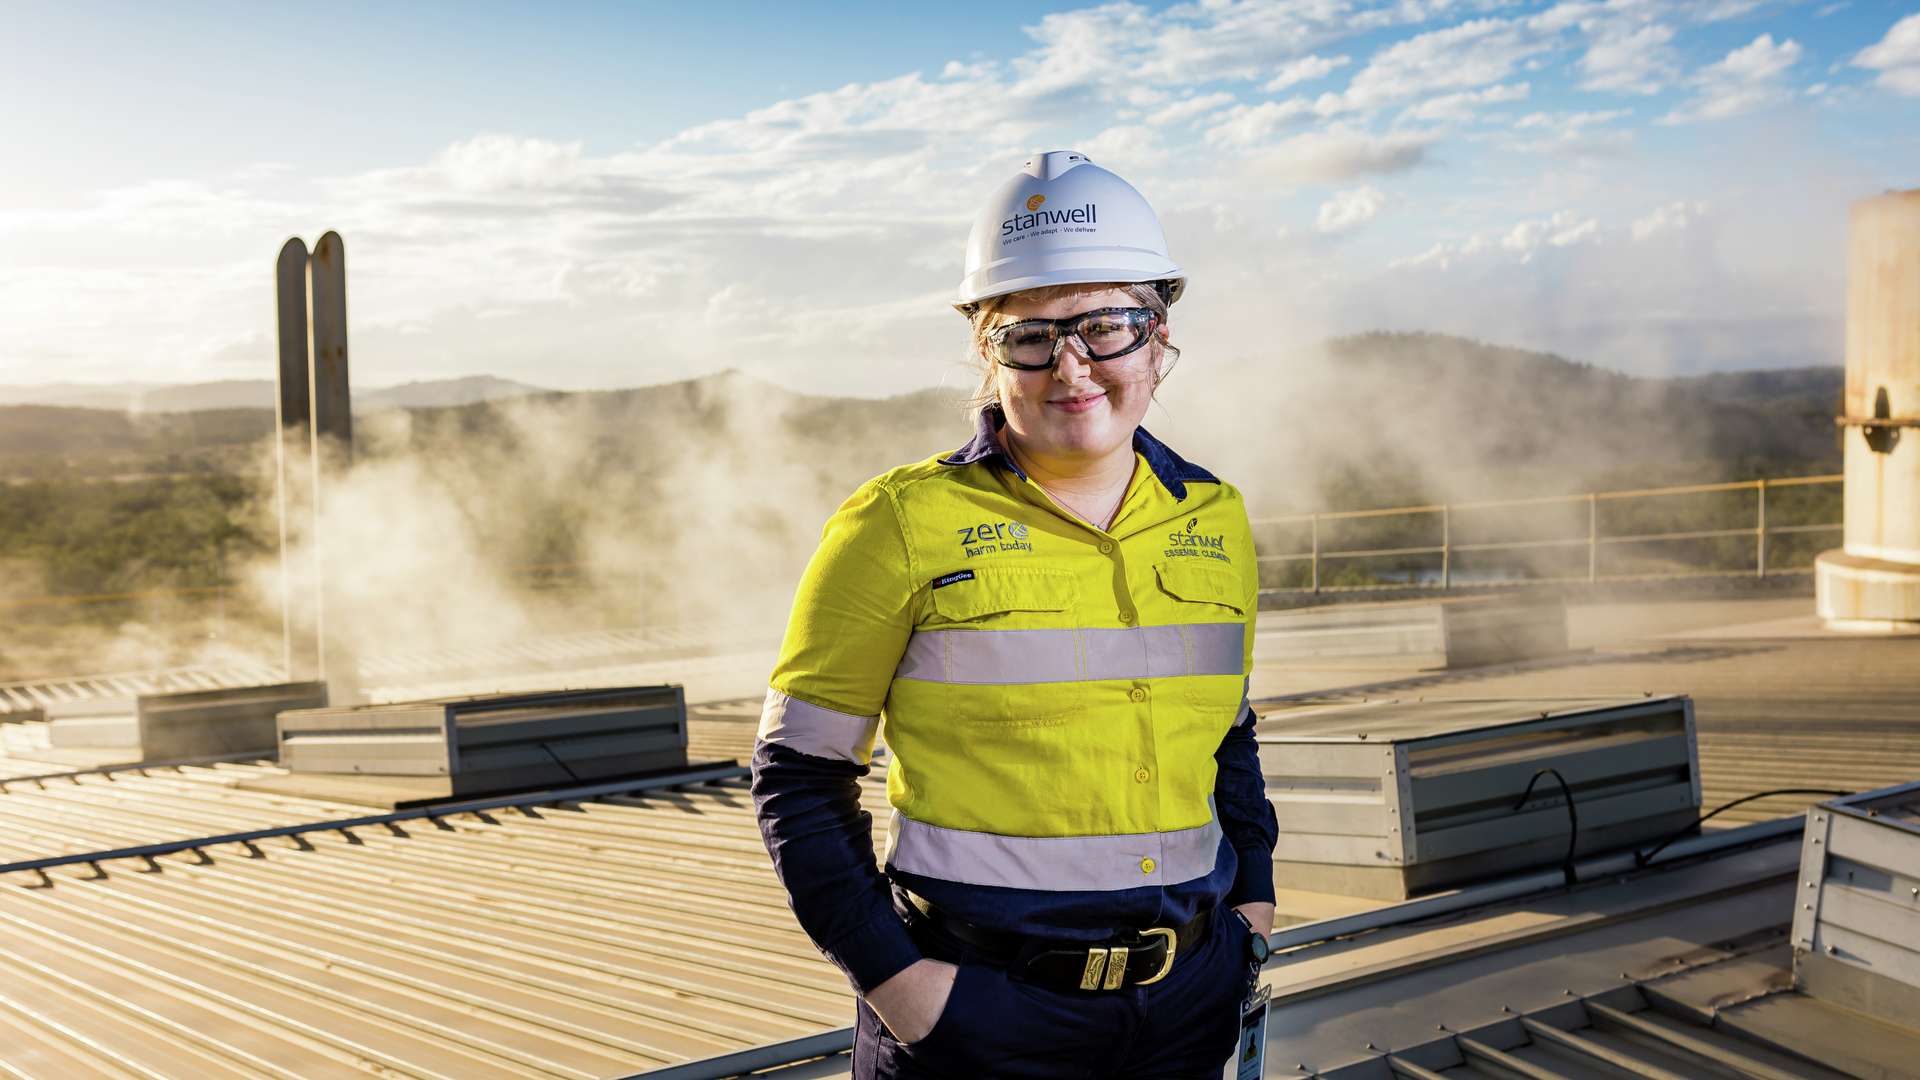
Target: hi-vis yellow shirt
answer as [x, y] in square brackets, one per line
[1052, 694]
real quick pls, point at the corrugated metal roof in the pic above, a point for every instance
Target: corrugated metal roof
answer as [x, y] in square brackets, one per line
[590, 939]
[607, 937]
[1809, 711]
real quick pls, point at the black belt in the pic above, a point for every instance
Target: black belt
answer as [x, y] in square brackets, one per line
[1136, 958]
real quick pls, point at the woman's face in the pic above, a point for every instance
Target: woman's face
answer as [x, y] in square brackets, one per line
[1077, 412]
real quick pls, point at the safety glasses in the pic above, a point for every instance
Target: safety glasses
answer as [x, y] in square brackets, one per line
[1104, 334]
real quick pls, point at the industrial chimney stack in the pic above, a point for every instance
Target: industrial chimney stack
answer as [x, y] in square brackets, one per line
[314, 446]
[1874, 584]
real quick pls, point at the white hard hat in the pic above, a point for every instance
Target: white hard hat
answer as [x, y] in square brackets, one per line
[1064, 221]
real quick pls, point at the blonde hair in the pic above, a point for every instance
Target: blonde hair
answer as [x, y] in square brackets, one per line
[985, 320]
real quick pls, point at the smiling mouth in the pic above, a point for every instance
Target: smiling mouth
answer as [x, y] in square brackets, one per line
[1077, 404]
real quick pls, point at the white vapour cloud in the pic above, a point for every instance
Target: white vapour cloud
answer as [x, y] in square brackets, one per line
[1749, 78]
[1349, 210]
[1896, 57]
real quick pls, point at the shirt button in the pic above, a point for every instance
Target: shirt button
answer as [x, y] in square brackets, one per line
[1126, 616]
[1146, 866]
[1138, 693]
[1142, 775]
[1106, 547]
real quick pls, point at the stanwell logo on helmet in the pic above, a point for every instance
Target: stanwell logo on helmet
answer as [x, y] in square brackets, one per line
[1019, 223]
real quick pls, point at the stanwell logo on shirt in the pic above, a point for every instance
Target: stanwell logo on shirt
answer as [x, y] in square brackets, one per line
[992, 537]
[1190, 544]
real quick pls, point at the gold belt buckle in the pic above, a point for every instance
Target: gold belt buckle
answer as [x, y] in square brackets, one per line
[1106, 968]
[1173, 945]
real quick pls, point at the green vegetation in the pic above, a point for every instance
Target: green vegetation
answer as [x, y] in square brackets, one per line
[735, 472]
[90, 536]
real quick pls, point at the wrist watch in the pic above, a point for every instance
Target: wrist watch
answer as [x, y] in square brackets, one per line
[1257, 948]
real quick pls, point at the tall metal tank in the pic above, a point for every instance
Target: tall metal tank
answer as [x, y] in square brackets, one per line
[1874, 583]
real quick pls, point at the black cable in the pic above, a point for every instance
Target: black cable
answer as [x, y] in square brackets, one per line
[1642, 858]
[563, 765]
[1573, 818]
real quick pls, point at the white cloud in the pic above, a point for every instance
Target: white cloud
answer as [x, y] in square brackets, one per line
[1573, 136]
[1570, 121]
[1672, 217]
[1473, 53]
[1253, 125]
[574, 266]
[1348, 210]
[488, 163]
[1629, 59]
[1722, 10]
[1896, 57]
[1761, 58]
[1561, 230]
[1443, 255]
[1518, 243]
[1305, 69]
[1138, 146]
[1338, 155]
[1746, 80]
[1188, 108]
[1462, 106]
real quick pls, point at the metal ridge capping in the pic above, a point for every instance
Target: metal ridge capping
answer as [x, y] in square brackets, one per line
[703, 774]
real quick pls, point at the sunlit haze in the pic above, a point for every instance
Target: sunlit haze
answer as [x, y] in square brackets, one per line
[595, 196]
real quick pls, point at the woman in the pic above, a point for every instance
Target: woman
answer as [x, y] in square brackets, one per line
[1056, 623]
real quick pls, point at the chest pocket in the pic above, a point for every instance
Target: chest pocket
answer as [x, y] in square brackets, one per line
[1003, 597]
[988, 673]
[1206, 595]
[1214, 594]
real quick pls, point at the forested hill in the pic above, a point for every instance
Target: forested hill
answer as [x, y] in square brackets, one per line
[1358, 420]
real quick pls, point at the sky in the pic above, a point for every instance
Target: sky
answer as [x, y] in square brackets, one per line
[585, 195]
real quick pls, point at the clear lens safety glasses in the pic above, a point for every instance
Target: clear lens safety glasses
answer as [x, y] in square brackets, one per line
[1104, 334]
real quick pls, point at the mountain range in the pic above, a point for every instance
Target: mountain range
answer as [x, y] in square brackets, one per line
[1374, 419]
[256, 394]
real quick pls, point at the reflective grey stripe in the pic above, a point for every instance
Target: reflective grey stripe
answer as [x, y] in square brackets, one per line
[1001, 657]
[1245, 718]
[813, 730]
[1052, 863]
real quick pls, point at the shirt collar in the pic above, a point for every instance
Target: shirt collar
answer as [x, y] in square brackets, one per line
[1173, 471]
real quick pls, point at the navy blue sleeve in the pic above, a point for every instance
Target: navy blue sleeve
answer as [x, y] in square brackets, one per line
[822, 847]
[1240, 796]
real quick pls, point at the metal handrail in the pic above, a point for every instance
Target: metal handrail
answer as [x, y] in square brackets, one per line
[1593, 541]
[1314, 519]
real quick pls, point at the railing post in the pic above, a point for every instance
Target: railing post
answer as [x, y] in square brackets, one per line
[1760, 534]
[1446, 547]
[1315, 522]
[1593, 538]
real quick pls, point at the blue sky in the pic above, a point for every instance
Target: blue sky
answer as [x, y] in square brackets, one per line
[600, 195]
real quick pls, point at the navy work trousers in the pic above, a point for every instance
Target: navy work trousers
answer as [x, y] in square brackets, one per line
[1183, 1027]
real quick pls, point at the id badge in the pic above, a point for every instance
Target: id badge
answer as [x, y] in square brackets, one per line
[1250, 1053]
